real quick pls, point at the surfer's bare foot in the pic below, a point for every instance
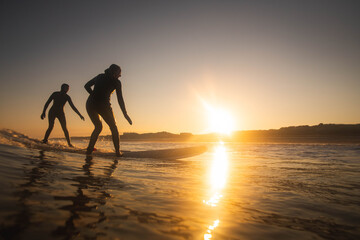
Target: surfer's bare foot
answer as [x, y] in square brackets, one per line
[70, 145]
[119, 154]
[44, 141]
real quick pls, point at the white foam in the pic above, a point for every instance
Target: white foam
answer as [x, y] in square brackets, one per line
[13, 138]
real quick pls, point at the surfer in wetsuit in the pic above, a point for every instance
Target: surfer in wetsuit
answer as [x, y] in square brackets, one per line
[57, 111]
[98, 104]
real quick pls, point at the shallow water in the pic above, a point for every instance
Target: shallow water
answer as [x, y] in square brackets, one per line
[233, 191]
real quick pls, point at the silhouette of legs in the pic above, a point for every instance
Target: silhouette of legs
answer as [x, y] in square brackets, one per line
[51, 118]
[94, 116]
[108, 117]
[107, 114]
[62, 121]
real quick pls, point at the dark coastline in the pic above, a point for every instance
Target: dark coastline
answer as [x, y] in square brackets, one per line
[322, 133]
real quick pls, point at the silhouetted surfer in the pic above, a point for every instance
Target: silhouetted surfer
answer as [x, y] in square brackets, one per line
[57, 111]
[98, 104]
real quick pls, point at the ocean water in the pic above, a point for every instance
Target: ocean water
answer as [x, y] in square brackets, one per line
[233, 191]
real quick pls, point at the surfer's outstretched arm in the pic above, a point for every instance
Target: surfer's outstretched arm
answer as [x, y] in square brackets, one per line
[46, 105]
[75, 109]
[121, 102]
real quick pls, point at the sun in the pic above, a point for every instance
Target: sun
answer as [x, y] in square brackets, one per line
[219, 120]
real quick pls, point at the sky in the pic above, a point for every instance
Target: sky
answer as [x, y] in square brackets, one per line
[268, 64]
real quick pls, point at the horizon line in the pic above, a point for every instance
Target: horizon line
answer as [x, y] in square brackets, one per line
[215, 133]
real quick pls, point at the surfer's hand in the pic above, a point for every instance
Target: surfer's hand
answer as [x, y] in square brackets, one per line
[128, 119]
[42, 115]
[82, 118]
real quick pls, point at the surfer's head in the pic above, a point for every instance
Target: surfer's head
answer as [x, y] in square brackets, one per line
[113, 71]
[65, 88]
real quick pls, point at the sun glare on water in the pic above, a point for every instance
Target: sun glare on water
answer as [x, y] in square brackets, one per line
[217, 181]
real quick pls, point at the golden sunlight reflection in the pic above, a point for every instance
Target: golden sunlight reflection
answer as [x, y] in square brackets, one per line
[208, 234]
[217, 180]
[214, 200]
[219, 167]
[220, 120]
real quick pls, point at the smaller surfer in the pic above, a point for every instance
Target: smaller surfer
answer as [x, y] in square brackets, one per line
[98, 104]
[57, 111]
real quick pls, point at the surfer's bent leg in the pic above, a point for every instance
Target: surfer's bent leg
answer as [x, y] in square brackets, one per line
[108, 117]
[51, 117]
[94, 116]
[62, 121]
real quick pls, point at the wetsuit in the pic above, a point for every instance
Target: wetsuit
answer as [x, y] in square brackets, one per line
[98, 104]
[57, 111]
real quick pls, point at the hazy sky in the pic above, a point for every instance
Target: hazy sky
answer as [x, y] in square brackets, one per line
[269, 63]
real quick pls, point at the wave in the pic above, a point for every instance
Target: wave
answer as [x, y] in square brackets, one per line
[13, 138]
[10, 137]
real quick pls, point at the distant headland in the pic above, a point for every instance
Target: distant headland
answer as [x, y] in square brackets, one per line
[321, 133]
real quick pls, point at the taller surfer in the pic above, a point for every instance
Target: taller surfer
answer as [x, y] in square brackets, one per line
[57, 111]
[98, 104]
